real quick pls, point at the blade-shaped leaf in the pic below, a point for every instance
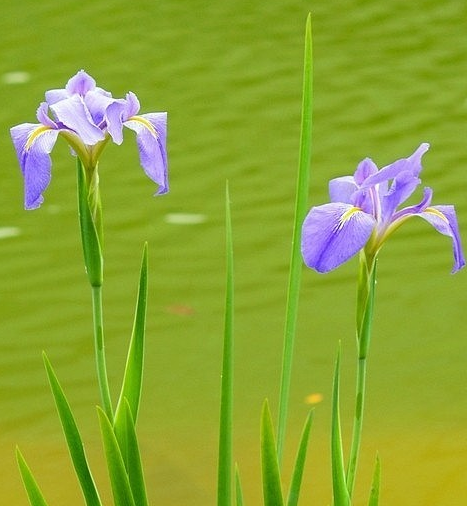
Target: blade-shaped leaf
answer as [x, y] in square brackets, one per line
[133, 376]
[340, 492]
[297, 474]
[224, 478]
[374, 493]
[296, 262]
[238, 488]
[73, 439]
[272, 488]
[34, 493]
[119, 480]
[134, 467]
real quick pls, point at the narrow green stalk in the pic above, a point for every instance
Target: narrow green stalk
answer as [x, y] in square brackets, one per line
[224, 478]
[100, 351]
[365, 302]
[301, 205]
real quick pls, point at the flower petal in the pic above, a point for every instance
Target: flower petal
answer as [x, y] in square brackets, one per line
[33, 144]
[444, 219]
[151, 132]
[341, 189]
[73, 114]
[333, 233]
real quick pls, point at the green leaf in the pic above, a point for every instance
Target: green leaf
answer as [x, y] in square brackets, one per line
[133, 465]
[301, 208]
[34, 493]
[272, 488]
[89, 232]
[339, 487]
[133, 375]
[73, 439]
[119, 480]
[224, 480]
[238, 488]
[297, 474]
[374, 493]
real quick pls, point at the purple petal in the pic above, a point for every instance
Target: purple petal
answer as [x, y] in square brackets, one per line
[118, 112]
[73, 114]
[413, 164]
[80, 84]
[365, 169]
[444, 219]
[33, 144]
[401, 188]
[341, 189]
[151, 132]
[333, 233]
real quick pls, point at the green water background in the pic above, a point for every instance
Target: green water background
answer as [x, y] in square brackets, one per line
[388, 76]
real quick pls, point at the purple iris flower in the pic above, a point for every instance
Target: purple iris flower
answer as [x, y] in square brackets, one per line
[87, 117]
[364, 211]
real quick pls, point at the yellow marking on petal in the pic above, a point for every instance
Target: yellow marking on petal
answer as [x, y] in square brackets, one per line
[347, 215]
[34, 134]
[434, 211]
[144, 122]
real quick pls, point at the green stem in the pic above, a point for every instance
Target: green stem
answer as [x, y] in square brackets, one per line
[365, 301]
[100, 351]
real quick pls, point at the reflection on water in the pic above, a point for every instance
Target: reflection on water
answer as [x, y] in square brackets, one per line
[388, 75]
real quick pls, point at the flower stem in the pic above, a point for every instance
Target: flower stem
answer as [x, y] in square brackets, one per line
[100, 351]
[365, 300]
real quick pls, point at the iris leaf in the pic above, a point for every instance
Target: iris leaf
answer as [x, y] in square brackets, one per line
[301, 208]
[73, 439]
[238, 488]
[34, 493]
[297, 474]
[272, 488]
[340, 492]
[119, 480]
[224, 482]
[374, 493]
[133, 375]
[133, 464]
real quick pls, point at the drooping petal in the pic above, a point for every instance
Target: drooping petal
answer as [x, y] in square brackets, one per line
[444, 220]
[73, 114]
[118, 112]
[33, 144]
[151, 132]
[333, 233]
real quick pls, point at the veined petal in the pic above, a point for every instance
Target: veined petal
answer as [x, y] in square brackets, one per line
[33, 144]
[151, 132]
[365, 169]
[444, 220]
[118, 112]
[333, 233]
[74, 115]
[412, 164]
[342, 188]
[400, 190]
[80, 84]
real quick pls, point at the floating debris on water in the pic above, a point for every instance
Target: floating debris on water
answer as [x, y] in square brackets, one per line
[9, 232]
[17, 77]
[185, 218]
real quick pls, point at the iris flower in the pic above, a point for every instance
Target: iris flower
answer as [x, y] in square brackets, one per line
[87, 117]
[365, 210]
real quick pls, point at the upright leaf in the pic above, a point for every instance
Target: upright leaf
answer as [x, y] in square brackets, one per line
[340, 492]
[32, 489]
[301, 208]
[119, 480]
[73, 439]
[238, 488]
[272, 487]
[374, 492]
[297, 474]
[224, 480]
[133, 375]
